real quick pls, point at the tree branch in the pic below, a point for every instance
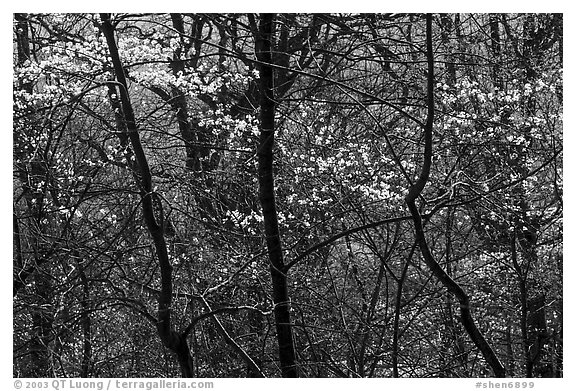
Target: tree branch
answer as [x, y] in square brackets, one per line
[415, 191]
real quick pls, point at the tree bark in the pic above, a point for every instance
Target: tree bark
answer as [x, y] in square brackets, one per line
[173, 340]
[287, 356]
[85, 320]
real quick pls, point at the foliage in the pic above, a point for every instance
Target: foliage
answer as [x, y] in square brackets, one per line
[350, 105]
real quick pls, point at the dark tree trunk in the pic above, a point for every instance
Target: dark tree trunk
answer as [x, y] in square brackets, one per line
[264, 37]
[86, 323]
[18, 259]
[23, 44]
[42, 330]
[523, 308]
[42, 314]
[510, 351]
[414, 192]
[174, 341]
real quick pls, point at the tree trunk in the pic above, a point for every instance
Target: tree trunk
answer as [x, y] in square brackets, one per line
[264, 37]
[154, 221]
[414, 192]
[86, 365]
[42, 327]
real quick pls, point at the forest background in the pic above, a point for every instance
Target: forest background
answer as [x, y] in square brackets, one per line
[354, 265]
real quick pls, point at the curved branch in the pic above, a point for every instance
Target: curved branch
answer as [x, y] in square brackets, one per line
[415, 191]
